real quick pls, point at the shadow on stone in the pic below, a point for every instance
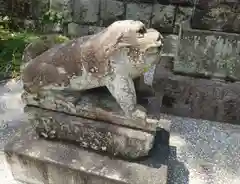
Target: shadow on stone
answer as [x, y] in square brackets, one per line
[177, 171]
[159, 154]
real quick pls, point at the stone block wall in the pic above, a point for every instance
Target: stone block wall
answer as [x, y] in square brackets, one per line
[202, 78]
[88, 16]
[200, 72]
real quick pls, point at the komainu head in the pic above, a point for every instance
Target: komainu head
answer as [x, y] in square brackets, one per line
[130, 43]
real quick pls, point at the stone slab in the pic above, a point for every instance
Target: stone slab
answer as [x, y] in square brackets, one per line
[21, 9]
[170, 45]
[39, 8]
[163, 17]
[208, 54]
[86, 12]
[182, 2]
[111, 10]
[183, 14]
[206, 4]
[94, 104]
[97, 135]
[199, 98]
[37, 161]
[217, 17]
[3, 7]
[139, 11]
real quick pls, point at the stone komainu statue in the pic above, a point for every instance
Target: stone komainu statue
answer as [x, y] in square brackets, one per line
[112, 58]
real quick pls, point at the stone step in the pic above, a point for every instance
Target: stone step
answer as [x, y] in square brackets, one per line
[208, 54]
[36, 161]
[198, 98]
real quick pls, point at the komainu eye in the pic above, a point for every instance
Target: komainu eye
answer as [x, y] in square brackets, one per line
[142, 31]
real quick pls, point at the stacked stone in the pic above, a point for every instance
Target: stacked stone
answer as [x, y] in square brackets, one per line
[202, 79]
[217, 15]
[82, 17]
[160, 14]
[86, 17]
[207, 47]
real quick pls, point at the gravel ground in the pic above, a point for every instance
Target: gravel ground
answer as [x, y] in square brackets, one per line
[202, 152]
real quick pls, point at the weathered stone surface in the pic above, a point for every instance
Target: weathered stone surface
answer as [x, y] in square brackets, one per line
[144, 83]
[26, 9]
[139, 1]
[21, 9]
[86, 11]
[198, 98]
[183, 2]
[209, 54]
[140, 12]
[39, 8]
[34, 160]
[170, 45]
[165, 2]
[77, 30]
[163, 17]
[100, 106]
[111, 11]
[206, 4]
[183, 14]
[64, 7]
[3, 7]
[97, 135]
[219, 18]
[80, 65]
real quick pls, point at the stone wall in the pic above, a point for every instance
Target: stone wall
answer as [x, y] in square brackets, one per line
[85, 17]
[201, 80]
[200, 72]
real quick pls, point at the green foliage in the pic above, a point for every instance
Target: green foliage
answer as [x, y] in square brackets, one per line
[12, 45]
[52, 16]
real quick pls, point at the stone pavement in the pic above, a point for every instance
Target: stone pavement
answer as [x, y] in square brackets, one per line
[202, 152]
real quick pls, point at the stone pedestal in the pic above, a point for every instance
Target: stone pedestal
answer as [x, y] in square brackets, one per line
[37, 161]
[95, 122]
[97, 135]
[96, 104]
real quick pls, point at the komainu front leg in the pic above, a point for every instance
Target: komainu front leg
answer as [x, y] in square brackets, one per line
[123, 90]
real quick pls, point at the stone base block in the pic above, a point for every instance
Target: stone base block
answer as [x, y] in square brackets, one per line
[97, 135]
[208, 54]
[37, 161]
[214, 100]
[96, 104]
